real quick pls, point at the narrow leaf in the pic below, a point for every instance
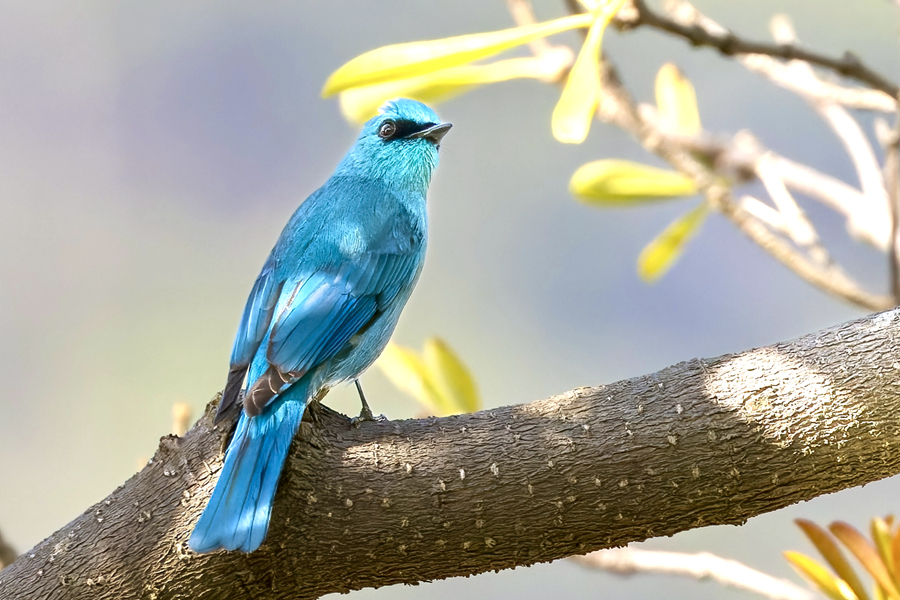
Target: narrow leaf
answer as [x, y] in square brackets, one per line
[409, 373]
[881, 535]
[866, 554]
[831, 552]
[618, 182]
[833, 587]
[660, 254]
[676, 101]
[895, 552]
[400, 61]
[571, 120]
[360, 104]
[451, 377]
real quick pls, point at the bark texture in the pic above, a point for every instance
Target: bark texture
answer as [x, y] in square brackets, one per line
[699, 443]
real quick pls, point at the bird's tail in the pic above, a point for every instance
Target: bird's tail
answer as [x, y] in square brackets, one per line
[237, 516]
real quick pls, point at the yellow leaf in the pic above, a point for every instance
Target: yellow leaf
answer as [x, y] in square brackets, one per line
[820, 577]
[614, 181]
[676, 101]
[895, 552]
[409, 373]
[881, 534]
[660, 254]
[360, 104]
[400, 61]
[830, 551]
[866, 554]
[572, 116]
[451, 377]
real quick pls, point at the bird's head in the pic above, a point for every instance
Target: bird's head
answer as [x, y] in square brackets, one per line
[399, 145]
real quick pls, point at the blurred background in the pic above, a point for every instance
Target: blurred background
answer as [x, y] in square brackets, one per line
[150, 153]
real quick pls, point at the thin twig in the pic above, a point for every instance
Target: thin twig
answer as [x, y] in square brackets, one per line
[855, 142]
[703, 565]
[617, 107]
[736, 159]
[764, 213]
[890, 139]
[784, 76]
[798, 226]
[729, 44]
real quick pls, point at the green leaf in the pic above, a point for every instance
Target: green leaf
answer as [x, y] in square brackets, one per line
[360, 104]
[866, 554]
[660, 254]
[833, 587]
[620, 182]
[410, 373]
[451, 377]
[400, 61]
[830, 551]
[676, 101]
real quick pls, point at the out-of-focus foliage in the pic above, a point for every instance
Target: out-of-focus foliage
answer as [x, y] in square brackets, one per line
[436, 70]
[359, 104]
[401, 61]
[880, 558]
[676, 102]
[437, 378]
[618, 182]
[660, 254]
[572, 117]
[623, 183]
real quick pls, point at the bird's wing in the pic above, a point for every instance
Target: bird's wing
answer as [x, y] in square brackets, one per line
[254, 324]
[322, 313]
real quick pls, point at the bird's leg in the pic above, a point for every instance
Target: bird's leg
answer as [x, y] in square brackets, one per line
[366, 413]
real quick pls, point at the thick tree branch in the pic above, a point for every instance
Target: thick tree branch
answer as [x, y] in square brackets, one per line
[703, 442]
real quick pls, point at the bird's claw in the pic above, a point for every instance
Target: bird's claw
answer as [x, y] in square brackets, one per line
[366, 415]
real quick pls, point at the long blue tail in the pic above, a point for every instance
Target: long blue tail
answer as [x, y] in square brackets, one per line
[237, 516]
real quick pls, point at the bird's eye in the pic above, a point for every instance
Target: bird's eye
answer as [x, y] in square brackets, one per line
[387, 130]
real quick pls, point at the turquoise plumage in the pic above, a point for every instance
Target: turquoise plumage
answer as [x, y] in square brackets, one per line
[322, 309]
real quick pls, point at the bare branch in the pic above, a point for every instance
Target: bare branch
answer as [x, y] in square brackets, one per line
[702, 565]
[794, 220]
[617, 107]
[890, 139]
[765, 213]
[866, 214]
[875, 206]
[698, 34]
[784, 76]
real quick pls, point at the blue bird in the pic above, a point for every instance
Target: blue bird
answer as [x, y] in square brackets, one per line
[322, 310]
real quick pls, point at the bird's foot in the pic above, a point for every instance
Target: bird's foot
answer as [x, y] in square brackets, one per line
[366, 415]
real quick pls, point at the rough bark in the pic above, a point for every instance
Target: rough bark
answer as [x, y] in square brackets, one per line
[699, 443]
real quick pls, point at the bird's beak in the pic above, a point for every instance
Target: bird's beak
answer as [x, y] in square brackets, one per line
[433, 134]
